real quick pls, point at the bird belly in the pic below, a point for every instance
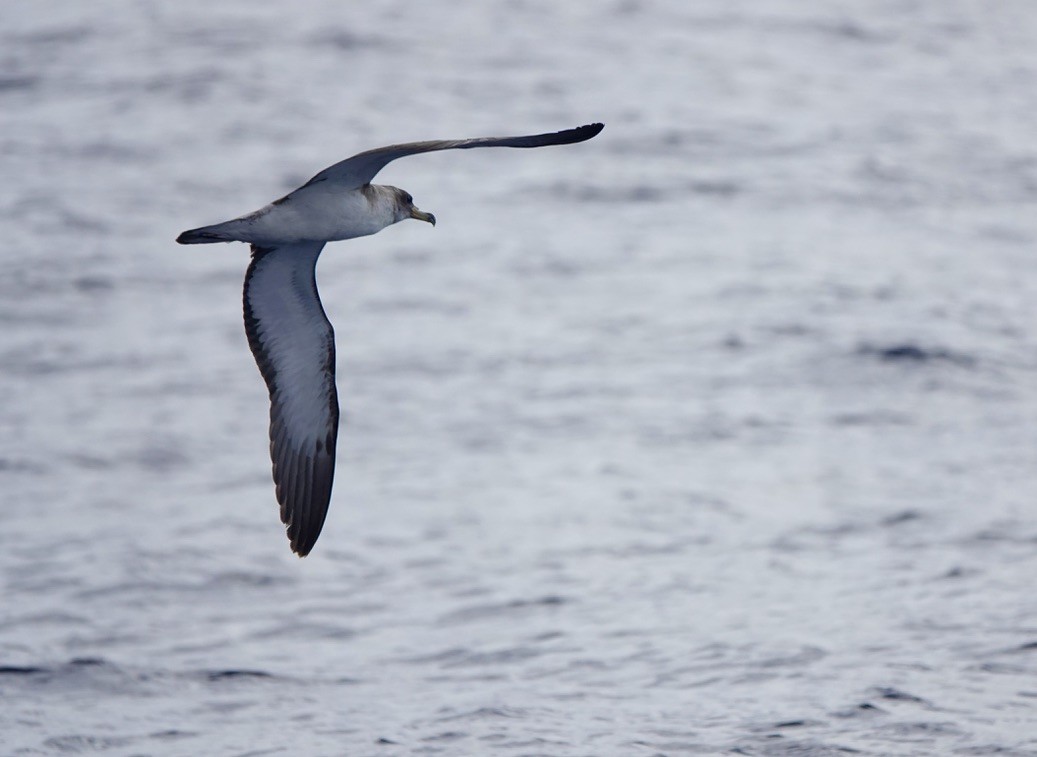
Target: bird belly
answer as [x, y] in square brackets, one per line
[317, 216]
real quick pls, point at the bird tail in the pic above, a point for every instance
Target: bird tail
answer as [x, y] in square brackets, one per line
[206, 235]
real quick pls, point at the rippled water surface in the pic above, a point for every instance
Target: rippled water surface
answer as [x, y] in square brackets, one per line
[716, 434]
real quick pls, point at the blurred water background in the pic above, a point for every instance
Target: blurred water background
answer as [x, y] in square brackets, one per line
[716, 434]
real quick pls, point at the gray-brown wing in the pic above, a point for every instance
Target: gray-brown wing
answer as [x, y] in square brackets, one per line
[360, 169]
[294, 345]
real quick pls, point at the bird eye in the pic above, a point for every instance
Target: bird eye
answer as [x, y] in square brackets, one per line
[407, 198]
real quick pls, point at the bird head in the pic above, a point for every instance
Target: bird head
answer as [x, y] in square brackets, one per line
[405, 208]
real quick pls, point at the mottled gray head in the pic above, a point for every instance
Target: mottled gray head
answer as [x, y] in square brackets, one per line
[405, 208]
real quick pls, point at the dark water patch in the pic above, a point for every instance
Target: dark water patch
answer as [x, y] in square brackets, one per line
[221, 39]
[416, 257]
[1001, 668]
[630, 194]
[466, 658]
[501, 609]
[93, 284]
[547, 266]
[161, 459]
[446, 655]
[818, 537]
[191, 87]
[783, 329]
[893, 694]
[664, 748]
[54, 36]
[27, 362]
[148, 590]
[1005, 233]
[777, 745]
[90, 674]
[487, 713]
[908, 353]
[925, 728]
[830, 30]
[50, 216]
[506, 656]
[717, 188]
[7, 465]
[79, 743]
[876, 418]
[255, 675]
[36, 620]
[240, 578]
[20, 670]
[739, 140]
[633, 550]
[43, 282]
[439, 366]
[416, 305]
[959, 572]
[547, 636]
[88, 662]
[105, 151]
[529, 746]
[864, 709]
[1003, 533]
[733, 342]
[804, 656]
[89, 462]
[902, 517]
[297, 629]
[17, 83]
[634, 193]
[236, 675]
[854, 32]
[172, 735]
[344, 40]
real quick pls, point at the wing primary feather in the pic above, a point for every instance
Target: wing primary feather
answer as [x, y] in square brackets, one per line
[294, 346]
[361, 168]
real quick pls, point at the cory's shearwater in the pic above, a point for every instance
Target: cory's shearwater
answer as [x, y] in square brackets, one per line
[290, 336]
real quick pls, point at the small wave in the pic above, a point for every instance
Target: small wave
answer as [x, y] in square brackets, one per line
[75, 743]
[499, 609]
[630, 194]
[892, 694]
[17, 83]
[908, 353]
[230, 675]
[347, 41]
[20, 670]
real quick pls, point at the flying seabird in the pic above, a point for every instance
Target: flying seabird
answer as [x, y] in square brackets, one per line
[290, 335]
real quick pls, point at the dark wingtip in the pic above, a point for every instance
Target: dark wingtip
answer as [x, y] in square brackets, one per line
[580, 134]
[303, 540]
[587, 131]
[302, 536]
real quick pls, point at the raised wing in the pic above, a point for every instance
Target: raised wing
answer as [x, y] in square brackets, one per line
[294, 346]
[360, 169]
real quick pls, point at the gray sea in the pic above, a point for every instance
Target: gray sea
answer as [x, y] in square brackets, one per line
[716, 434]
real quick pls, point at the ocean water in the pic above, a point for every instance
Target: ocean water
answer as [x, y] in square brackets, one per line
[716, 434]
